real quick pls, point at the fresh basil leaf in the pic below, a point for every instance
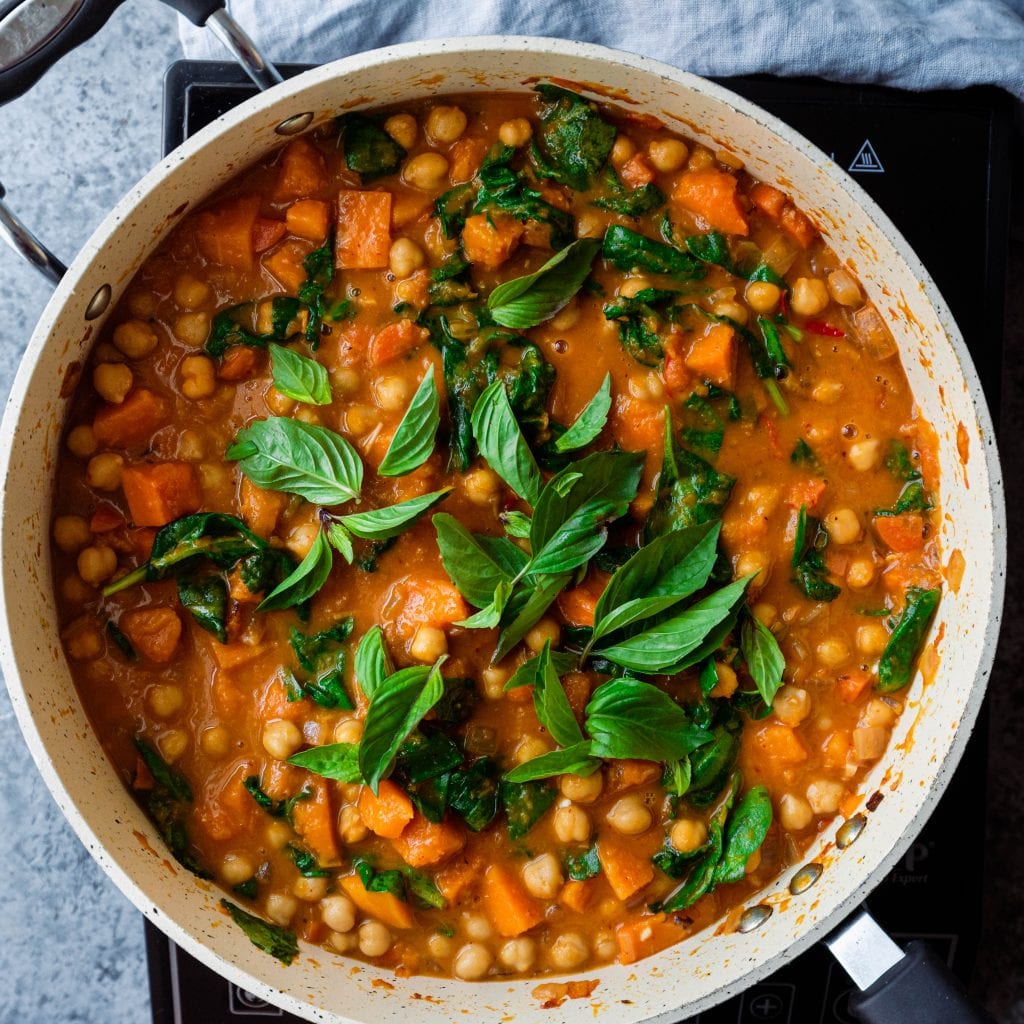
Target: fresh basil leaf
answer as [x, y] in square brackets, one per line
[502, 444]
[575, 759]
[745, 830]
[551, 703]
[896, 666]
[397, 707]
[517, 524]
[340, 539]
[271, 938]
[390, 521]
[372, 661]
[629, 250]
[338, 761]
[282, 454]
[574, 140]
[677, 777]
[764, 659]
[414, 438]
[524, 803]
[665, 643]
[530, 600]
[530, 300]
[526, 674]
[299, 377]
[713, 640]
[659, 575]
[490, 616]
[474, 570]
[630, 719]
[369, 150]
[590, 422]
[309, 576]
[578, 538]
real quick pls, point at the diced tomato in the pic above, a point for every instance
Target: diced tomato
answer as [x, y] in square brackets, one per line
[823, 329]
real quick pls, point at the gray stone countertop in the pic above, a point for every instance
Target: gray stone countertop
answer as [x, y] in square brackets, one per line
[71, 947]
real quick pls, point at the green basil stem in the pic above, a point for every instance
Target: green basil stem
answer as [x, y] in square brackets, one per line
[776, 396]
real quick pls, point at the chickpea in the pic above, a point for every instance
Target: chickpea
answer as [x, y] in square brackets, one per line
[440, 946]
[84, 644]
[727, 680]
[571, 823]
[477, 927]
[516, 132]
[75, 590]
[529, 748]
[481, 485]
[878, 713]
[688, 834]
[809, 296]
[338, 913]
[192, 328]
[860, 573]
[763, 296]
[426, 171]
[173, 744]
[828, 391]
[71, 533]
[81, 441]
[97, 564]
[765, 613]
[494, 678]
[301, 538]
[342, 942]
[792, 704]
[403, 129]
[142, 304]
[755, 563]
[405, 257]
[733, 310]
[310, 890]
[348, 731]
[281, 738]
[518, 954]
[701, 159]
[281, 908]
[189, 292]
[445, 124]
[215, 741]
[863, 455]
[236, 868]
[112, 382]
[428, 644]
[345, 380]
[361, 419]
[391, 392]
[833, 651]
[629, 816]
[135, 338]
[103, 472]
[667, 155]
[569, 950]
[844, 289]
[277, 402]
[472, 962]
[633, 286]
[825, 796]
[622, 149]
[198, 377]
[166, 699]
[545, 630]
[277, 835]
[374, 938]
[648, 388]
[843, 526]
[605, 946]
[582, 789]
[350, 826]
[872, 639]
[542, 876]
[794, 812]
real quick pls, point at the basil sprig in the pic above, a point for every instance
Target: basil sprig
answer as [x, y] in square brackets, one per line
[502, 444]
[414, 439]
[372, 661]
[299, 377]
[282, 454]
[764, 659]
[532, 299]
[304, 581]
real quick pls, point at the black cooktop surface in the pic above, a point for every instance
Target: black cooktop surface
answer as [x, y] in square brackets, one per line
[900, 146]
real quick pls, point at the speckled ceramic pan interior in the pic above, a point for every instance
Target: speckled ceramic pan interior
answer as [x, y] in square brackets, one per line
[926, 744]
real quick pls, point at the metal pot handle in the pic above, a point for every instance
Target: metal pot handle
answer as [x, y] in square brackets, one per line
[35, 34]
[897, 986]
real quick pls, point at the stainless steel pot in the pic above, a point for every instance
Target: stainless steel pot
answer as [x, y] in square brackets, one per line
[844, 862]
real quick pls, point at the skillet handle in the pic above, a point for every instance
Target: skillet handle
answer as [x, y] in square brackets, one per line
[918, 988]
